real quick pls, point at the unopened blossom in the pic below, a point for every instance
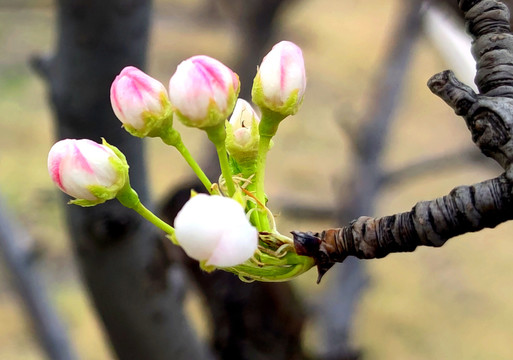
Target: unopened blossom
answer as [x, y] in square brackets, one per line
[281, 80]
[90, 172]
[139, 101]
[203, 91]
[215, 229]
[242, 132]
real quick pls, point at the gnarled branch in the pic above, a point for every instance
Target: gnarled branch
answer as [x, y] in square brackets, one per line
[489, 117]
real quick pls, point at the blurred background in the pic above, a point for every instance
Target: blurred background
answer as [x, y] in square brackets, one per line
[447, 303]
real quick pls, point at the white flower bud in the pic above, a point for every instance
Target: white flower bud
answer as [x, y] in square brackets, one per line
[242, 133]
[215, 229]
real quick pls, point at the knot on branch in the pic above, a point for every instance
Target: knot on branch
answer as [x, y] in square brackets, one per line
[455, 93]
[489, 119]
[488, 23]
[490, 122]
[311, 244]
[485, 17]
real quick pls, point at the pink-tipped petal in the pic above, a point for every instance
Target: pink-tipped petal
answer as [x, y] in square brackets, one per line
[203, 90]
[75, 165]
[134, 95]
[282, 75]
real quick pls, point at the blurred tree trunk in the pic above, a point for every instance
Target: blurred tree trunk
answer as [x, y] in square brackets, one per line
[16, 248]
[136, 295]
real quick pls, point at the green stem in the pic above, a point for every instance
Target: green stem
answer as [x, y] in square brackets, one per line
[173, 138]
[129, 198]
[267, 129]
[194, 166]
[217, 134]
[263, 148]
[255, 216]
[225, 168]
[154, 219]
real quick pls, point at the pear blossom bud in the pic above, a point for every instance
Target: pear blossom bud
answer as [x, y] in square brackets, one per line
[215, 229]
[139, 101]
[280, 81]
[242, 133]
[90, 172]
[203, 91]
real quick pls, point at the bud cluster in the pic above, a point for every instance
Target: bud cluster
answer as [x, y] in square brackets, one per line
[231, 227]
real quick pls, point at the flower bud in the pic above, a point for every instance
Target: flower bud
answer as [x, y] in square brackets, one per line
[139, 101]
[242, 133]
[203, 91]
[215, 229]
[280, 82]
[90, 172]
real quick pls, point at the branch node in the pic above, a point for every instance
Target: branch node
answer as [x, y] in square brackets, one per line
[457, 95]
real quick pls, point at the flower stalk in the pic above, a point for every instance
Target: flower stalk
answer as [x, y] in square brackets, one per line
[128, 197]
[217, 134]
[173, 138]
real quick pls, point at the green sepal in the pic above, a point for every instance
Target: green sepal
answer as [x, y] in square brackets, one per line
[205, 267]
[104, 193]
[154, 123]
[245, 155]
[273, 272]
[234, 166]
[84, 202]
[173, 239]
[240, 197]
[289, 107]
[214, 116]
[268, 265]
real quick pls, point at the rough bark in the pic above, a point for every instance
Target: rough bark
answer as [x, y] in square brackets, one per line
[429, 223]
[489, 117]
[137, 296]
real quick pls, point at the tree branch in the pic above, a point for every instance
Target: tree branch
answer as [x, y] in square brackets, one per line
[489, 117]
[429, 223]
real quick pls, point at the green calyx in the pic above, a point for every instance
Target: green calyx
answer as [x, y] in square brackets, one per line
[289, 107]
[214, 116]
[244, 154]
[104, 193]
[154, 122]
[274, 261]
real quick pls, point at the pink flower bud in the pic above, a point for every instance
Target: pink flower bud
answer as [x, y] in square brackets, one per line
[281, 80]
[139, 101]
[90, 172]
[203, 91]
[215, 229]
